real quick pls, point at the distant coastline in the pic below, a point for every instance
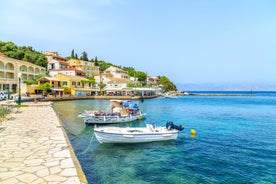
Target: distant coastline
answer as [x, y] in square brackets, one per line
[186, 93]
[225, 93]
[216, 94]
[234, 87]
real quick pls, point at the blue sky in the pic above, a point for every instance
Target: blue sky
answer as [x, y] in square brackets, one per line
[189, 41]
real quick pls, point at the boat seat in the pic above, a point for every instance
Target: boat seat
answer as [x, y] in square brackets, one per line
[116, 109]
[150, 127]
[123, 112]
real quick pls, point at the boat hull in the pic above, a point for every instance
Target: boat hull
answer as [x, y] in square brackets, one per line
[105, 136]
[103, 120]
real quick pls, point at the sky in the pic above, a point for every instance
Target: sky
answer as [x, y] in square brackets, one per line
[229, 42]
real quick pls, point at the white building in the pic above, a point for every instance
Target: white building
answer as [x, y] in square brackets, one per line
[55, 61]
[115, 72]
[66, 71]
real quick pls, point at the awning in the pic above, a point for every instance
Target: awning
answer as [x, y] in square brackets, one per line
[57, 89]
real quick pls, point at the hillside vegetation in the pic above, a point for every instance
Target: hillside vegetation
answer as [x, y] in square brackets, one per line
[27, 53]
[23, 53]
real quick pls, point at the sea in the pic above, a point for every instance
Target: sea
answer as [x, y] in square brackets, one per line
[235, 141]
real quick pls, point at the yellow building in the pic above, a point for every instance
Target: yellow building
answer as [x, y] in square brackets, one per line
[78, 85]
[54, 83]
[87, 67]
[11, 69]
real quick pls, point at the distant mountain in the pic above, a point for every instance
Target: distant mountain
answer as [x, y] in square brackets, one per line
[225, 87]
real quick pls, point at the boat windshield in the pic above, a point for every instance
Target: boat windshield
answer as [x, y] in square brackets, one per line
[131, 105]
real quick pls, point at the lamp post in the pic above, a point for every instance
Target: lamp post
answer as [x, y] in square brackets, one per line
[19, 90]
[8, 88]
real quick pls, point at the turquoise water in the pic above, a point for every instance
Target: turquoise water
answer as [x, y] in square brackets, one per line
[235, 142]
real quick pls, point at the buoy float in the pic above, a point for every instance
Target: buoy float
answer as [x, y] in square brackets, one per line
[139, 118]
[193, 132]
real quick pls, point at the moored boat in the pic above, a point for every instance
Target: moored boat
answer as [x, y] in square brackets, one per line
[121, 111]
[170, 96]
[149, 133]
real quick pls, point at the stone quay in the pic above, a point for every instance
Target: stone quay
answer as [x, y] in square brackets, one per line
[34, 147]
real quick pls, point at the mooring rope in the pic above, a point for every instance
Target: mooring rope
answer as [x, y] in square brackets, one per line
[88, 145]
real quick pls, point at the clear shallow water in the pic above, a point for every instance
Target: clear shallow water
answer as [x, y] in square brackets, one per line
[235, 142]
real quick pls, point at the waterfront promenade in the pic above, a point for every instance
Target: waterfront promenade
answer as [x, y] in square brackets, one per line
[34, 148]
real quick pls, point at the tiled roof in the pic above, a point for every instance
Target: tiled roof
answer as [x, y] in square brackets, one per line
[75, 78]
[118, 80]
[63, 69]
[79, 71]
[48, 79]
[116, 68]
[67, 69]
[54, 55]
[63, 63]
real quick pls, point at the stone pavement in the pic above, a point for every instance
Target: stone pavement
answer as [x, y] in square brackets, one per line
[35, 149]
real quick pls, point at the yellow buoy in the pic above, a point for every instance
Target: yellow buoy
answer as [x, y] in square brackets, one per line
[139, 118]
[193, 132]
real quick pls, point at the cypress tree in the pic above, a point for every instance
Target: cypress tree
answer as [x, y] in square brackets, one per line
[73, 54]
[84, 56]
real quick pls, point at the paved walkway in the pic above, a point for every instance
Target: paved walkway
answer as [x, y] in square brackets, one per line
[35, 149]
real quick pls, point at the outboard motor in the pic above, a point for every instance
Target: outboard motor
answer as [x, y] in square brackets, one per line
[170, 126]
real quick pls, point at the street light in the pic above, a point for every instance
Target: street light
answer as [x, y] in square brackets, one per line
[8, 88]
[19, 90]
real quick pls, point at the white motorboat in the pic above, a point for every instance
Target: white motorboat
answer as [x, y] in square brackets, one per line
[170, 96]
[121, 111]
[149, 133]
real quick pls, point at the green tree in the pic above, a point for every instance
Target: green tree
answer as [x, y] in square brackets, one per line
[41, 61]
[30, 82]
[73, 54]
[35, 80]
[104, 65]
[90, 80]
[84, 56]
[167, 84]
[130, 71]
[101, 85]
[8, 46]
[45, 87]
[23, 53]
[142, 77]
[96, 61]
[66, 89]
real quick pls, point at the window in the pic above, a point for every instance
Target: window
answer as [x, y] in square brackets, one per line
[73, 83]
[64, 83]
